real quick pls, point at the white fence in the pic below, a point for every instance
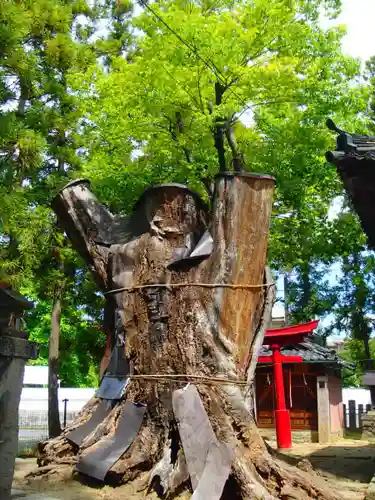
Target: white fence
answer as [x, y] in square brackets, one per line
[33, 412]
[37, 398]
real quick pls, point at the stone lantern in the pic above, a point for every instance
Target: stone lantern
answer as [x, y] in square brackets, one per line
[15, 350]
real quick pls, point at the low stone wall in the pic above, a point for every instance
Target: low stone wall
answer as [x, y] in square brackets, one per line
[368, 425]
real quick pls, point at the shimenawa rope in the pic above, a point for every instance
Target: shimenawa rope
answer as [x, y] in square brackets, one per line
[183, 378]
[180, 285]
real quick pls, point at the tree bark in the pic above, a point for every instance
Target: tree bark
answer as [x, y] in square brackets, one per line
[190, 318]
[54, 427]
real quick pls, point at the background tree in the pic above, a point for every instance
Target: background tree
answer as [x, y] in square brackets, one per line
[170, 111]
[81, 340]
[149, 112]
[41, 43]
[356, 299]
[354, 353]
[155, 117]
[310, 293]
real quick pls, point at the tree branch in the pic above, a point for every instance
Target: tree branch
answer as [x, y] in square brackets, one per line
[178, 128]
[199, 89]
[236, 155]
[219, 128]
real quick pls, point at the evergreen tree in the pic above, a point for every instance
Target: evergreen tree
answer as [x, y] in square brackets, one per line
[41, 42]
[356, 299]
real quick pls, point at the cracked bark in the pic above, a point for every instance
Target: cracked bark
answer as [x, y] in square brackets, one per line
[187, 330]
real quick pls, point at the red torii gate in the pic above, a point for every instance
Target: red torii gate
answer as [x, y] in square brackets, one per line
[277, 338]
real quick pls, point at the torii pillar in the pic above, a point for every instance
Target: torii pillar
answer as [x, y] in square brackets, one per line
[277, 338]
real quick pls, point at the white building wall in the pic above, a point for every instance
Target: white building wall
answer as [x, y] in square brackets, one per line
[361, 396]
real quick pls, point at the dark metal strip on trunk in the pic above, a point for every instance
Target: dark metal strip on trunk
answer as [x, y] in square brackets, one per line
[98, 462]
[208, 461]
[78, 435]
[115, 380]
[202, 250]
[111, 388]
[118, 365]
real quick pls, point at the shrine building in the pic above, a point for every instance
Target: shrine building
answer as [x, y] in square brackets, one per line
[312, 387]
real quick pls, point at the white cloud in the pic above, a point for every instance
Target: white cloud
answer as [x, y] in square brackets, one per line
[359, 17]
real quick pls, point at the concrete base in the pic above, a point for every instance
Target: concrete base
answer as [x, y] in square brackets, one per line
[297, 436]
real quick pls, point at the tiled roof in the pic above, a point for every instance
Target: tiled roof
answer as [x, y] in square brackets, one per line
[354, 159]
[310, 352]
[11, 301]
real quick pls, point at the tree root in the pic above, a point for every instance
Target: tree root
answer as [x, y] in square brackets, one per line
[256, 473]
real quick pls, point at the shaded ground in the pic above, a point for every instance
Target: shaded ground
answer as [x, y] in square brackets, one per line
[63, 487]
[348, 466]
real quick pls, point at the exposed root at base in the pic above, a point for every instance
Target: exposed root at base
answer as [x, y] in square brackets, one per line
[256, 474]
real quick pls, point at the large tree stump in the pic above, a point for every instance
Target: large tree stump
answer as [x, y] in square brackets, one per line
[202, 317]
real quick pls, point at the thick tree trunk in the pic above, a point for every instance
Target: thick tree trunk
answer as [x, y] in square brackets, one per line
[190, 320]
[54, 427]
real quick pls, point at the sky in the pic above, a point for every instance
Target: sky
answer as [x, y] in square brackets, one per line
[359, 18]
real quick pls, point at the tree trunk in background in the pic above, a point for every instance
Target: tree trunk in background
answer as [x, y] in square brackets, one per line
[180, 327]
[54, 427]
[286, 298]
[306, 290]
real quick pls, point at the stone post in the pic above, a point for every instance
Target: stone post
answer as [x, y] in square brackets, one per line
[14, 351]
[324, 419]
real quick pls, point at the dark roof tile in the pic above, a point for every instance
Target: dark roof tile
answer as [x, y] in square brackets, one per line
[309, 351]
